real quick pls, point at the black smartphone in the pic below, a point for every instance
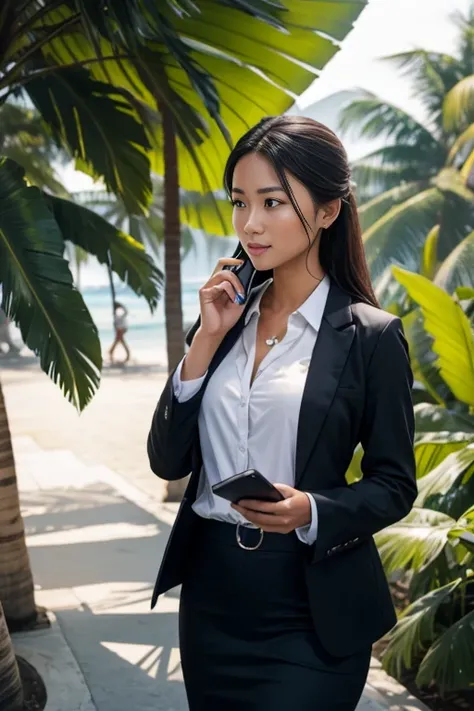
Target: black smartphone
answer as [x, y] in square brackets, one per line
[249, 484]
[245, 272]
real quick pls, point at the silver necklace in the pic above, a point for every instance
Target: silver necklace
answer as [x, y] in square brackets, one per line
[272, 341]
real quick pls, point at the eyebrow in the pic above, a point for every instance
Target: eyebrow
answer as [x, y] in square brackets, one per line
[261, 191]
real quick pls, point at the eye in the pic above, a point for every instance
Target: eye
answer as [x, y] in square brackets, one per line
[237, 203]
[272, 200]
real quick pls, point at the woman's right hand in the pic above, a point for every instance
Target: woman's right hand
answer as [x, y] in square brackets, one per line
[219, 310]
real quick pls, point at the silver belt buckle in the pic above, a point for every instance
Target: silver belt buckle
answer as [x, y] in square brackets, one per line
[239, 540]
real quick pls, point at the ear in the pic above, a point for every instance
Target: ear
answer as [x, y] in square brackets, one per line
[329, 213]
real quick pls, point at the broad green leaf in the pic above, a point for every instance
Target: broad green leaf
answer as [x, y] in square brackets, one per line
[430, 253]
[415, 629]
[423, 359]
[445, 475]
[432, 449]
[450, 660]
[354, 472]
[464, 292]
[435, 419]
[458, 109]
[100, 129]
[400, 234]
[451, 330]
[38, 291]
[414, 542]
[457, 270]
[212, 213]
[220, 55]
[98, 237]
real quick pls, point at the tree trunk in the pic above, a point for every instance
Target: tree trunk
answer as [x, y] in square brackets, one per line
[11, 691]
[16, 580]
[172, 229]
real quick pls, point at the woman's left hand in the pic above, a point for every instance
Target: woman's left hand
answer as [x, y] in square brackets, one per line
[280, 516]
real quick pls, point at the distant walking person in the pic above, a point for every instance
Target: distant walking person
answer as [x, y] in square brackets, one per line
[5, 336]
[121, 328]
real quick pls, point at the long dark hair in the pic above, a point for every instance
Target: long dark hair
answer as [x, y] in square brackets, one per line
[315, 156]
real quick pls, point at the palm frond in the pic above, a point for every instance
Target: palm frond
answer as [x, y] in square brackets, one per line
[38, 291]
[400, 234]
[458, 107]
[374, 209]
[126, 257]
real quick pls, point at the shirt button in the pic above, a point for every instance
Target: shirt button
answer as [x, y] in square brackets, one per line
[242, 448]
[243, 402]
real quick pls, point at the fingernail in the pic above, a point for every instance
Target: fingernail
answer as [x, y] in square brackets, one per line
[240, 298]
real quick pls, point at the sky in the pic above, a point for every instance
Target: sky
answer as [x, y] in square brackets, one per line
[384, 27]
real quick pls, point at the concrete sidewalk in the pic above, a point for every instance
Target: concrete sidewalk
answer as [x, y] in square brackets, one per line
[95, 543]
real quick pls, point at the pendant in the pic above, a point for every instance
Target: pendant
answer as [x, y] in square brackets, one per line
[272, 341]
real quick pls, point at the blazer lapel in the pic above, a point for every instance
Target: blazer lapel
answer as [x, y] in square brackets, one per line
[327, 363]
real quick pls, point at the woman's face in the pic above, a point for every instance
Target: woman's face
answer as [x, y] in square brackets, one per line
[264, 218]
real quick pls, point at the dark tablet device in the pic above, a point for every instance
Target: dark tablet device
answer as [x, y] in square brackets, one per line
[247, 485]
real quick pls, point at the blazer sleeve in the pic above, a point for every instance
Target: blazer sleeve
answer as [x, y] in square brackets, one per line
[388, 489]
[174, 428]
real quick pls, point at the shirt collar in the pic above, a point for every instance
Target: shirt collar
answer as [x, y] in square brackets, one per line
[312, 309]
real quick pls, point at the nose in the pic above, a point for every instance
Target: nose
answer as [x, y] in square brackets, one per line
[253, 226]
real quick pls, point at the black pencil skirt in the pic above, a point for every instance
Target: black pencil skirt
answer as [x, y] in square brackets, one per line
[246, 636]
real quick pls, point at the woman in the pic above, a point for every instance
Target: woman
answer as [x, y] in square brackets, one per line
[288, 383]
[121, 328]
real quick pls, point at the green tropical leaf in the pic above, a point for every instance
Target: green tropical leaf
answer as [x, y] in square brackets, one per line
[38, 291]
[414, 542]
[212, 213]
[429, 260]
[462, 146]
[400, 234]
[450, 661]
[98, 237]
[440, 420]
[432, 449]
[450, 180]
[100, 129]
[457, 270]
[416, 629]
[458, 108]
[441, 479]
[451, 330]
[466, 173]
[432, 73]
[354, 472]
[371, 117]
[423, 359]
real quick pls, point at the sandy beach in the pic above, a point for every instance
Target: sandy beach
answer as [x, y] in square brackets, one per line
[113, 428]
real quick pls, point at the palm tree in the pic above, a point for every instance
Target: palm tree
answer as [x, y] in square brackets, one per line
[415, 185]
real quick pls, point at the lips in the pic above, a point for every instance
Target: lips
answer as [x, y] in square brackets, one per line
[256, 248]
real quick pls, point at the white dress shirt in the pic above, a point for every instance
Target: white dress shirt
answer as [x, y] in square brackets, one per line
[243, 426]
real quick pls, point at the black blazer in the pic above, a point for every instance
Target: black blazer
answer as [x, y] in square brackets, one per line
[358, 389]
